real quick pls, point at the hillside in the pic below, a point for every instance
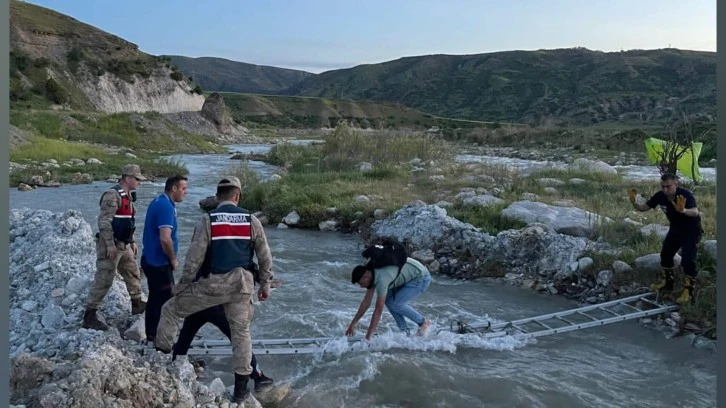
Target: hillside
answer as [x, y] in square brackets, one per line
[58, 61]
[572, 85]
[223, 75]
[308, 112]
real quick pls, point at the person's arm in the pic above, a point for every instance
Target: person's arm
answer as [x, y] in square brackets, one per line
[377, 312]
[648, 205]
[109, 206]
[690, 209]
[196, 252]
[167, 245]
[264, 256]
[166, 223]
[362, 309]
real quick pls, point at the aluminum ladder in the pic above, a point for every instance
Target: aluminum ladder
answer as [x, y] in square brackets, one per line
[553, 323]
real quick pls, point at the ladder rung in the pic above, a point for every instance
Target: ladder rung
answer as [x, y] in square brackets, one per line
[565, 320]
[587, 315]
[632, 307]
[609, 311]
[543, 325]
[651, 302]
[519, 328]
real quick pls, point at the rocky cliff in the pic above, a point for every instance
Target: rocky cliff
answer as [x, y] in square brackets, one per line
[58, 61]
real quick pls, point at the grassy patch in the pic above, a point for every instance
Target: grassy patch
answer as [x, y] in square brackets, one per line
[41, 150]
[147, 131]
[319, 177]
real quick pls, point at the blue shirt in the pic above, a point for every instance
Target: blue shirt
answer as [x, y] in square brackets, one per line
[160, 214]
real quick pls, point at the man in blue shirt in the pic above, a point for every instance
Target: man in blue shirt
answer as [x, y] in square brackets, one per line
[161, 244]
[685, 232]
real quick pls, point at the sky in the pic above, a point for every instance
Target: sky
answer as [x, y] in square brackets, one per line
[321, 35]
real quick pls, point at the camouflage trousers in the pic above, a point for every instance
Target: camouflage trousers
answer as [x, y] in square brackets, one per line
[233, 291]
[125, 263]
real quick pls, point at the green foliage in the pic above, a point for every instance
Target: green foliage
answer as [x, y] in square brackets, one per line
[575, 85]
[40, 150]
[126, 130]
[177, 76]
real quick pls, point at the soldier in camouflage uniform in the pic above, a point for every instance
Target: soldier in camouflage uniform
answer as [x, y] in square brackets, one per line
[116, 247]
[222, 249]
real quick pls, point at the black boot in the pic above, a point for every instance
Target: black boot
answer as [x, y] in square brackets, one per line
[90, 321]
[262, 382]
[240, 388]
[138, 306]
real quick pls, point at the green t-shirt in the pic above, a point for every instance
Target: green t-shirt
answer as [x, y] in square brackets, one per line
[411, 270]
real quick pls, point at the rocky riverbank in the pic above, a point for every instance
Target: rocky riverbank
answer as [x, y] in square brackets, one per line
[550, 256]
[56, 363]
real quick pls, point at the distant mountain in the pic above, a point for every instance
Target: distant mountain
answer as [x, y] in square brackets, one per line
[223, 75]
[575, 85]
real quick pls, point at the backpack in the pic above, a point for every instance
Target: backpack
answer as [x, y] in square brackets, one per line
[387, 252]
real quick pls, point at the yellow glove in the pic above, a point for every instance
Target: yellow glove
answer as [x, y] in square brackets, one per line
[680, 203]
[631, 195]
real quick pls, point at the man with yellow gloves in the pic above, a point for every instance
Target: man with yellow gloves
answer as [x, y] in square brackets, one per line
[679, 206]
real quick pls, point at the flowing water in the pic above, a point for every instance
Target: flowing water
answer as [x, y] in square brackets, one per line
[619, 365]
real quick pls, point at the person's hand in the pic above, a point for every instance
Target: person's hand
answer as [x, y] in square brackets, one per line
[350, 330]
[111, 251]
[174, 264]
[263, 294]
[680, 203]
[134, 248]
[631, 195]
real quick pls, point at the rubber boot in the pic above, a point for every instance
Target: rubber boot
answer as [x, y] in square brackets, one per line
[687, 293]
[90, 321]
[666, 282]
[138, 306]
[240, 388]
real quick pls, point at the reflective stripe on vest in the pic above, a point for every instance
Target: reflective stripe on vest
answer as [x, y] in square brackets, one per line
[231, 239]
[124, 220]
[225, 225]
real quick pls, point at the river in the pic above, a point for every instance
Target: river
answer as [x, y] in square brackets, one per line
[619, 365]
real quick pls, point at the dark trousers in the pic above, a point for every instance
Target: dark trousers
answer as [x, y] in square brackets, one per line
[192, 323]
[160, 279]
[685, 240]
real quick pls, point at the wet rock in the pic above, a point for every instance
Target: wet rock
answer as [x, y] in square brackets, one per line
[292, 218]
[329, 225]
[24, 187]
[81, 178]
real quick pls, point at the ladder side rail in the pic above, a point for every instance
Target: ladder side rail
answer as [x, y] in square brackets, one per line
[596, 323]
[564, 313]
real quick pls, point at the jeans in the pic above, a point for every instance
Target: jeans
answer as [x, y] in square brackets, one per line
[397, 302]
[160, 280]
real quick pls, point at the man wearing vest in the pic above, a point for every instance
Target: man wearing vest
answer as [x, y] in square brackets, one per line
[116, 247]
[223, 245]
